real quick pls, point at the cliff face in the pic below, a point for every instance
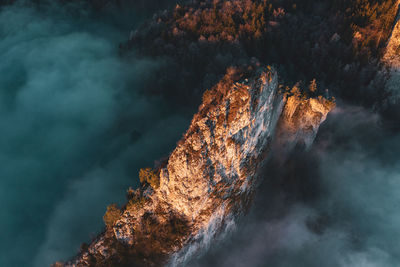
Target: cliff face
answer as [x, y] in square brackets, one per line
[391, 58]
[210, 177]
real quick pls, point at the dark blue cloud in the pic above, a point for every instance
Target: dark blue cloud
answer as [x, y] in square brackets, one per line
[68, 108]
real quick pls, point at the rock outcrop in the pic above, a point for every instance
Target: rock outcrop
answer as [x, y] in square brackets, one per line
[391, 58]
[209, 179]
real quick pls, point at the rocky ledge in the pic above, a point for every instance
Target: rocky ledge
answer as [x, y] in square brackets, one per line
[209, 179]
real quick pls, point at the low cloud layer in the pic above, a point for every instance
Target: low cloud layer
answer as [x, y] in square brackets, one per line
[74, 129]
[336, 205]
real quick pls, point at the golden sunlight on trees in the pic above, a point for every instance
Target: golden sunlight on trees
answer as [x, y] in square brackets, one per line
[371, 22]
[313, 86]
[224, 20]
[112, 214]
[147, 175]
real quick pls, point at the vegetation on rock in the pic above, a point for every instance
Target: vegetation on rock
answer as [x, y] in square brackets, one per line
[112, 214]
[149, 176]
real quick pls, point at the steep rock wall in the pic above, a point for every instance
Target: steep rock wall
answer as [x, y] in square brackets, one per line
[210, 177]
[391, 59]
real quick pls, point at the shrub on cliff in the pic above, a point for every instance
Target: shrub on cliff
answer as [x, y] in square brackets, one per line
[112, 214]
[149, 176]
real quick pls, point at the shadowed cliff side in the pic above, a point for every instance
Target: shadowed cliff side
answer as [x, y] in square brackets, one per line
[209, 179]
[391, 59]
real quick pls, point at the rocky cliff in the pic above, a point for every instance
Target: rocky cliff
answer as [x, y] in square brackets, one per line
[391, 58]
[210, 177]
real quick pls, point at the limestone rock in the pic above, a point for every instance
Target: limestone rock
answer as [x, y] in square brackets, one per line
[211, 175]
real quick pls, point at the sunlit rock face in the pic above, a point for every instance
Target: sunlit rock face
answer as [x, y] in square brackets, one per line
[391, 58]
[209, 179]
[300, 121]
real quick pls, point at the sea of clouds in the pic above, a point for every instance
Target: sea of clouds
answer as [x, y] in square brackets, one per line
[74, 127]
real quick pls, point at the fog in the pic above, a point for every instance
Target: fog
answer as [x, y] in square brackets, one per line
[74, 128]
[335, 205]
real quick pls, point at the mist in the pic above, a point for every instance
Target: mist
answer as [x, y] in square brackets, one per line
[74, 127]
[335, 205]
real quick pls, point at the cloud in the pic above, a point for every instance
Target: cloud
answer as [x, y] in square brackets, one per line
[336, 205]
[78, 216]
[74, 128]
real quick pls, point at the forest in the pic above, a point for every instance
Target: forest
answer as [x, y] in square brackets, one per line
[338, 43]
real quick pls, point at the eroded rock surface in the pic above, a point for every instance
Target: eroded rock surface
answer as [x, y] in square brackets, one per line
[209, 179]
